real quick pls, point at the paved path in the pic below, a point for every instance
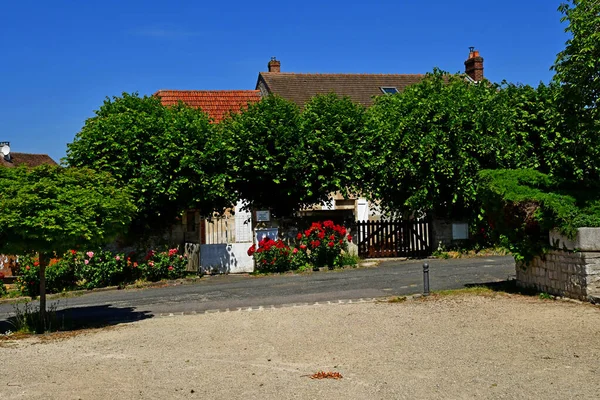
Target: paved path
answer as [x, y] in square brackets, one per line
[233, 291]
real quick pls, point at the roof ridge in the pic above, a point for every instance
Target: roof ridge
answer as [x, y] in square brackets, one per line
[208, 91]
[337, 74]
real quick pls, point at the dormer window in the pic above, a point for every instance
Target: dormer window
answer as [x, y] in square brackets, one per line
[389, 90]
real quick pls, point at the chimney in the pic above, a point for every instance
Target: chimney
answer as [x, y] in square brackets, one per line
[474, 65]
[274, 65]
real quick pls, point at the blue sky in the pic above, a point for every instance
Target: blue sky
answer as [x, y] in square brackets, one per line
[60, 59]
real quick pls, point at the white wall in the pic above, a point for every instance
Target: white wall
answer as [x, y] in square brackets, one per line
[225, 258]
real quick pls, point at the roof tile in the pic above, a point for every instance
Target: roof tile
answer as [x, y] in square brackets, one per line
[30, 160]
[216, 103]
[361, 88]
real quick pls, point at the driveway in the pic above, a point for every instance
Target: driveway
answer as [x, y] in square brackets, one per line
[465, 347]
[234, 291]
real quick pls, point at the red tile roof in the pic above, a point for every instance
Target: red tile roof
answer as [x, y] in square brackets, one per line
[361, 88]
[216, 103]
[30, 160]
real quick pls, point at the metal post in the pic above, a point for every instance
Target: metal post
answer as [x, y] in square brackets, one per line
[425, 279]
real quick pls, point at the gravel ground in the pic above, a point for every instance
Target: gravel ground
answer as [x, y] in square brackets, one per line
[464, 347]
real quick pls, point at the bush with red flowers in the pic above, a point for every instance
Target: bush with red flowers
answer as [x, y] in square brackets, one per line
[272, 256]
[168, 264]
[323, 243]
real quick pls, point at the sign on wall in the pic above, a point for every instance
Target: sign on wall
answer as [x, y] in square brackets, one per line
[460, 231]
[263, 216]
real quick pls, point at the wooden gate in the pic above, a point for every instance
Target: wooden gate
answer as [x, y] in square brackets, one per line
[393, 238]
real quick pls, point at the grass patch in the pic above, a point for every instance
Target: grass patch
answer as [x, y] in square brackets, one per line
[27, 319]
[466, 253]
[399, 299]
[471, 291]
[66, 294]
[12, 294]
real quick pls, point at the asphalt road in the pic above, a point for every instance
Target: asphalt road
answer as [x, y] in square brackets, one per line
[233, 291]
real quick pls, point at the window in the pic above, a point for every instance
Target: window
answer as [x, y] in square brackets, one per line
[389, 90]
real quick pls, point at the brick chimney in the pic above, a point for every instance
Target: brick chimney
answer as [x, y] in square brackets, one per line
[474, 65]
[274, 65]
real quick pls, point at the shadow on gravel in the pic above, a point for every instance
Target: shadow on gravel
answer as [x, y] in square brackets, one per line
[71, 319]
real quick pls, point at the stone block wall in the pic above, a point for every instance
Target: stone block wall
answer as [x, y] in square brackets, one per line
[563, 273]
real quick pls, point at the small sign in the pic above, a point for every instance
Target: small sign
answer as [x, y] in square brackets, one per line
[263, 216]
[460, 231]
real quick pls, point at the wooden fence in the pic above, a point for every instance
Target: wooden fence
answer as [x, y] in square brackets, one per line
[400, 238]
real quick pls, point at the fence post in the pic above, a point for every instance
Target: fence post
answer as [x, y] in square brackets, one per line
[425, 279]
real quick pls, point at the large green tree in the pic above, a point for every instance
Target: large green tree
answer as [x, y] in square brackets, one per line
[578, 73]
[426, 145]
[264, 149]
[167, 155]
[50, 210]
[286, 159]
[331, 127]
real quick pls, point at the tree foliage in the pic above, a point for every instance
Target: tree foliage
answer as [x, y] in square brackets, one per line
[427, 144]
[52, 209]
[291, 159]
[332, 130]
[263, 148]
[578, 73]
[166, 155]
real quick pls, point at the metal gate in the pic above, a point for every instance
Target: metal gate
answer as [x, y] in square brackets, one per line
[399, 238]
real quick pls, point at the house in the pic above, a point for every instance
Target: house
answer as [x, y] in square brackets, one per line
[9, 159]
[360, 88]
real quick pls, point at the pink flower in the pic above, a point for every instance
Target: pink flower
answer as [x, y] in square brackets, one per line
[86, 262]
[90, 254]
[170, 268]
[295, 251]
[151, 263]
[118, 258]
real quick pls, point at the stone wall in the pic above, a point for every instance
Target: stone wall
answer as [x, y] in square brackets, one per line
[563, 273]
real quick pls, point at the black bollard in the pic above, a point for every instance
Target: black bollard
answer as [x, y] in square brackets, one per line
[425, 279]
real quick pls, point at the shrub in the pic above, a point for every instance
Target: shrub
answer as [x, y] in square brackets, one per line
[271, 256]
[168, 264]
[323, 243]
[28, 278]
[60, 276]
[101, 268]
[3, 290]
[523, 205]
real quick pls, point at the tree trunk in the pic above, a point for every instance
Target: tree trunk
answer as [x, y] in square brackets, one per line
[43, 263]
